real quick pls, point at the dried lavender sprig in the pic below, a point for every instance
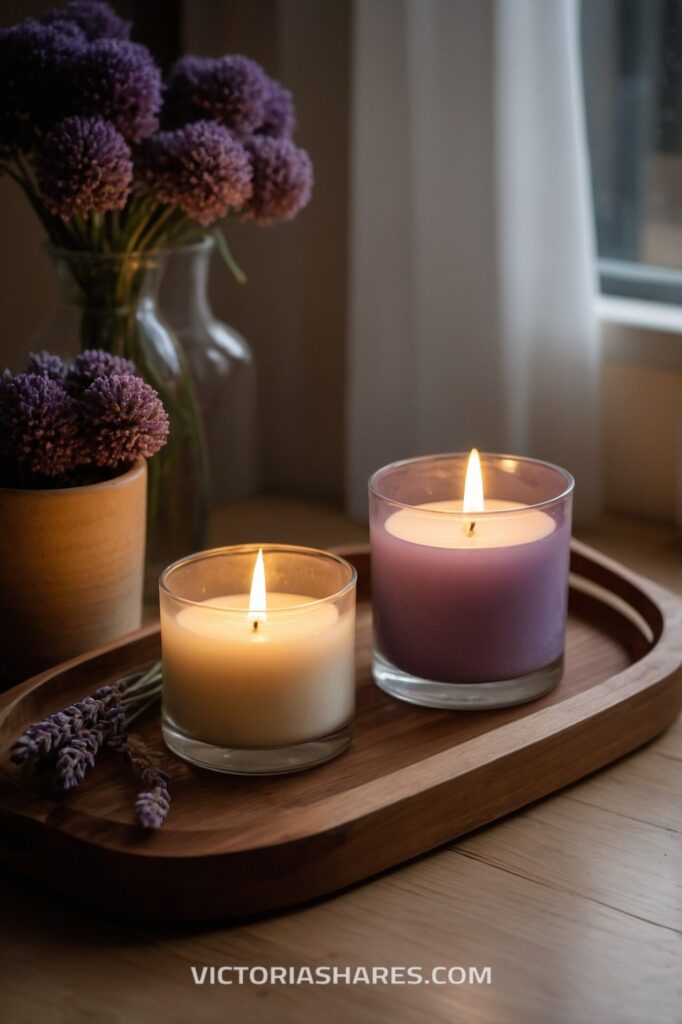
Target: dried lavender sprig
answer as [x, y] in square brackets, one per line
[152, 805]
[44, 738]
[69, 741]
[74, 759]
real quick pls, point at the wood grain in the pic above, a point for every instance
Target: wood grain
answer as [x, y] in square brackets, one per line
[414, 778]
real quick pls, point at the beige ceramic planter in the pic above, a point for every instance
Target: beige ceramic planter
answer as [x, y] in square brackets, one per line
[71, 569]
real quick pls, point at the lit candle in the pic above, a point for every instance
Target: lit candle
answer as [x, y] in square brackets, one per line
[263, 669]
[469, 589]
[473, 530]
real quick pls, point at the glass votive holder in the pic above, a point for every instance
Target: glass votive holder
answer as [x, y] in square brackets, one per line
[469, 608]
[258, 659]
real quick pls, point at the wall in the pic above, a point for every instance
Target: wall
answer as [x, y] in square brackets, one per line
[642, 420]
[293, 308]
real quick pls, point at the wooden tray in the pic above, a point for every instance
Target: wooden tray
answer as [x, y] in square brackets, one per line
[414, 778]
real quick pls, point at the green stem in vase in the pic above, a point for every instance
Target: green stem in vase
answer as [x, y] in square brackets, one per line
[226, 253]
[151, 237]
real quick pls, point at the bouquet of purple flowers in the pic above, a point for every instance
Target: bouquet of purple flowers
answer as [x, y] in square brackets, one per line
[61, 426]
[120, 165]
[114, 160]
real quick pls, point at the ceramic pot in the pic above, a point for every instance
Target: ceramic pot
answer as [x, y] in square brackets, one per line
[71, 569]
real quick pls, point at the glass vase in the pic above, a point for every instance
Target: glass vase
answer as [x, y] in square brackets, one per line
[223, 371]
[110, 301]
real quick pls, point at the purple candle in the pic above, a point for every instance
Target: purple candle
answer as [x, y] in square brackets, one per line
[470, 579]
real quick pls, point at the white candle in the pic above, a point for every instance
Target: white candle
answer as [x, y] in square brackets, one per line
[243, 676]
[452, 529]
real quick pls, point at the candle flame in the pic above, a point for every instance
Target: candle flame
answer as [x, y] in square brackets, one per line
[473, 485]
[257, 597]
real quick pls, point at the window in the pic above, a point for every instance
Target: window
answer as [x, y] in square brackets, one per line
[632, 71]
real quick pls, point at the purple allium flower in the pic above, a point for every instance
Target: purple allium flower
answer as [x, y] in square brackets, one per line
[282, 179]
[152, 807]
[84, 164]
[32, 58]
[233, 90]
[93, 363]
[124, 419]
[201, 168]
[46, 364]
[117, 80]
[280, 114]
[96, 19]
[39, 423]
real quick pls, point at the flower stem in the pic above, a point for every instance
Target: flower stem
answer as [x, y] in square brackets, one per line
[152, 235]
[153, 673]
[226, 253]
[141, 709]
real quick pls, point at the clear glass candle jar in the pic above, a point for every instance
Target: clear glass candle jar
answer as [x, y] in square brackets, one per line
[469, 608]
[258, 660]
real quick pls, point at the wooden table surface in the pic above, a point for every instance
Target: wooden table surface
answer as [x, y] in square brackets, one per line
[575, 903]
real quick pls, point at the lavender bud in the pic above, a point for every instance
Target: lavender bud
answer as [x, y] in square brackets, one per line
[74, 760]
[152, 808]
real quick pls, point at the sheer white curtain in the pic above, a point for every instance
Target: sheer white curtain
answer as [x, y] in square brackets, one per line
[472, 269]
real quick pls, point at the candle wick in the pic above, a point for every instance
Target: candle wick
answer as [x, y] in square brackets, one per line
[470, 531]
[255, 626]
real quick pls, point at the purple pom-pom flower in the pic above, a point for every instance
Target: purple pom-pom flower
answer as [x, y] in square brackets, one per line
[95, 18]
[93, 363]
[282, 179]
[46, 364]
[33, 59]
[124, 419]
[200, 168]
[84, 164]
[77, 422]
[39, 423]
[117, 80]
[233, 90]
[280, 115]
